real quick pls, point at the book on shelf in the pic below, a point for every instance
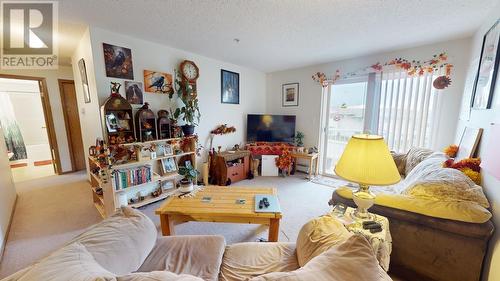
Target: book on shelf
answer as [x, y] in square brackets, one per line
[125, 178]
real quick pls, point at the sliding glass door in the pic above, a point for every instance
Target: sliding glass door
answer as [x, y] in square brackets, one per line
[345, 116]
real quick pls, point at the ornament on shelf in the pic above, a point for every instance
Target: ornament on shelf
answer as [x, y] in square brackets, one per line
[115, 88]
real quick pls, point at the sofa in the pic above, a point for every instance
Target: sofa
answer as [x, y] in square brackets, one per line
[125, 247]
[438, 233]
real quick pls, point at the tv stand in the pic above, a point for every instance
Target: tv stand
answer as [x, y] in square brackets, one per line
[231, 167]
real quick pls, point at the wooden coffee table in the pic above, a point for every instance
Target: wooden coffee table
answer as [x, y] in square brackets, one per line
[221, 208]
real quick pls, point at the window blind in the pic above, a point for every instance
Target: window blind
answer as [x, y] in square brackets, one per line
[408, 110]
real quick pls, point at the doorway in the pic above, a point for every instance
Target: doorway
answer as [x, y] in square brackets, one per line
[72, 121]
[26, 121]
[345, 116]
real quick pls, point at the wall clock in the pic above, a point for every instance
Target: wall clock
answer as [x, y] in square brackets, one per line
[190, 73]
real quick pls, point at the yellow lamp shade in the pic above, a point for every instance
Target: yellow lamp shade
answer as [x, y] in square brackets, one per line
[366, 160]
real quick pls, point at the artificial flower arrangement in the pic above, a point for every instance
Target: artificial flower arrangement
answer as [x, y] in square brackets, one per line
[284, 161]
[469, 166]
[451, 151]
[223, 130]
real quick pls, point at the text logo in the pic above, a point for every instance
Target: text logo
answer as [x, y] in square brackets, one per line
[29, 35]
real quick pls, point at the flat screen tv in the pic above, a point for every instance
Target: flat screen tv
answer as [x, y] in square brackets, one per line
[271, 128]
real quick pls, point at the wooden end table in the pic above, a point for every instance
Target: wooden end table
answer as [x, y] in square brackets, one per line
[222, 207]
[312, 158]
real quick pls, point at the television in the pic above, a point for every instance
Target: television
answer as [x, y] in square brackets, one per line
[271, 128]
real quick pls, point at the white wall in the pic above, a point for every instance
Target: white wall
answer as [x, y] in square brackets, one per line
[153, 56]
[7, 193]
[51, 76]
[483, 119]
[90, 121]
[308, 111]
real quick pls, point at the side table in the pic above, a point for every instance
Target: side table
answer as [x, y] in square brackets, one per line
[313, 162]
[381, 241]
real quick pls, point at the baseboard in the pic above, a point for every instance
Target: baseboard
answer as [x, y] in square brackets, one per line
[2, 247]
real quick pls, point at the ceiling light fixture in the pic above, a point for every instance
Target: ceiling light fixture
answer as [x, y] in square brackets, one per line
[237, 40]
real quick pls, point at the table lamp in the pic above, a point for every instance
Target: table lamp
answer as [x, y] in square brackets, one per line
[366, 161]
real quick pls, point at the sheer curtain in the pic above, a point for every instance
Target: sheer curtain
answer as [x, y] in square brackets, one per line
[408, 110]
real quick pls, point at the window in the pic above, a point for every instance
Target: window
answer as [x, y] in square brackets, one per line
[407, 113]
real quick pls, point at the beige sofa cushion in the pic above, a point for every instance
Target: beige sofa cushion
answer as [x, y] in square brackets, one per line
[319, 235]
[188, 254]
[72, 262]
[243, 261]
[121, 243]
[351, 260]
[157, 276]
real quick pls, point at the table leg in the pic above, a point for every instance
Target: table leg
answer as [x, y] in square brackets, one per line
[310, 168]
[274, 230]
[167, 227]
[317, 166]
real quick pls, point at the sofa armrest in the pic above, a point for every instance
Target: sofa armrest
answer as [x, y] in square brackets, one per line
[188, 254]
[472, 230]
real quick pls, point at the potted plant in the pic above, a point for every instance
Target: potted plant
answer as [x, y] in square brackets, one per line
[299, 141]
[190, 111]
[190, 175]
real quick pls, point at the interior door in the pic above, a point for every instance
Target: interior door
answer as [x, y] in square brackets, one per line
[345, 116]
[72, 120]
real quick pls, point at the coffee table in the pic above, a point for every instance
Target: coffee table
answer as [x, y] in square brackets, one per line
[222, 207]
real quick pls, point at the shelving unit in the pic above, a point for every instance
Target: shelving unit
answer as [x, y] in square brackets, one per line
[102, 177]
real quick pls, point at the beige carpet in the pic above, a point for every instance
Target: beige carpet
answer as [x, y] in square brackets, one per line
[50, 211]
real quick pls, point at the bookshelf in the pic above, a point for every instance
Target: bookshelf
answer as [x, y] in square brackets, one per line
[103, 176]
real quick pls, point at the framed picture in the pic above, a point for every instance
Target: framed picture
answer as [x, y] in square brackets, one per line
[85, 81]
[157, 82]
[112, 123]
[469, 143]
[118, 62]
[133, 91]
[168, 165]
[290, 94]
[168, 150]
[230, 87]
[484, 85]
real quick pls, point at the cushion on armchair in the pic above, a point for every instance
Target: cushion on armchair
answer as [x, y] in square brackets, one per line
[319, 235]
[157, 276]
[351, 260]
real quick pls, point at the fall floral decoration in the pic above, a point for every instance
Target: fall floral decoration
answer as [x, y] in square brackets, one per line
[223, 130]
[469, 166]
[411, 67]
[284, 161]
[451, 151]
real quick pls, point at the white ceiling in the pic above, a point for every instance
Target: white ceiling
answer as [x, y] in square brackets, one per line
[282, 34]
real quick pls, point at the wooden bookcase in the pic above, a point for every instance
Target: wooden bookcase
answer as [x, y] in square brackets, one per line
[117, 120]
[102, 176]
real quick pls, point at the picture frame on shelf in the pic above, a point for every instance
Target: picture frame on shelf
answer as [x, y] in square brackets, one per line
[290, 94]
[469, 143]
[85, 82]
[168, 165]
[484, 85]
[230, 87]
[168, 150]
[112, 123]
[118, 61]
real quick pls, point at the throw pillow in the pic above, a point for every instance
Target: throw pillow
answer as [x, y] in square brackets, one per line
[414, 156]
[157, 276]
[319, 235]
[351, 260]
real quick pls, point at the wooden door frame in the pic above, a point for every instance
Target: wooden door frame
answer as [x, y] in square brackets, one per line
[66, 122]
[47, 115]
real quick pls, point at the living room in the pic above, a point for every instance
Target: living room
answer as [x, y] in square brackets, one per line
[290, 140]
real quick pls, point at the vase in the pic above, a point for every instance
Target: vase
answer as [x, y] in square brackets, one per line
[186, 186]
[188, 130]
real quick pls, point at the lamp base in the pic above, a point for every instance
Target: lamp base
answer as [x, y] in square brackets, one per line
[364, 199]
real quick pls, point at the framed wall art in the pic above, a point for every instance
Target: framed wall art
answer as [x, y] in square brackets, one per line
[157, 82]
[290, 94]
[85, 82]
[469, 143]
[118, 62]
[230, 87]
[133, 91]
[484, 85]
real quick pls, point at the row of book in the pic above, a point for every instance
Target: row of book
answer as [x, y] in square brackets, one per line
[131, 177]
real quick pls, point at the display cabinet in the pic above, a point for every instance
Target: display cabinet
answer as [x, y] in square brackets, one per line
[163, 125]
[145, 124]
[118, 125]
